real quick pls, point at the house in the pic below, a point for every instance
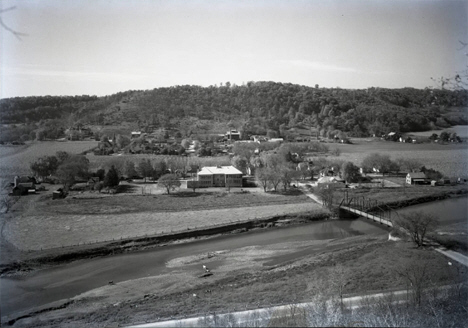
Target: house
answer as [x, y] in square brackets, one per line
[392, 136]
[136, 134]
[276, 140]
[413, 178]
[219, 176]
[24, 186]
[328, 172]
[233, 135]
[330, 183]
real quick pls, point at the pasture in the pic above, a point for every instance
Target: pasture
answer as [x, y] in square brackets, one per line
[450, 159]
[15, 160]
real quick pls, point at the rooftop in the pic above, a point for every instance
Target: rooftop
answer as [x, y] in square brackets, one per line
[417, 175]
[209, 170]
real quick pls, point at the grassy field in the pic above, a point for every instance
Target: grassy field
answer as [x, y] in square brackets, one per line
[450, 159]
[39, 223]
[16, 160]
[243, 279]
[177, 202]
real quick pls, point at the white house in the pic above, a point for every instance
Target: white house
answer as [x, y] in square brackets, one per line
[219, 176]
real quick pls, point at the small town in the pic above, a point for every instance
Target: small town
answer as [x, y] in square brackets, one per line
[322, 183]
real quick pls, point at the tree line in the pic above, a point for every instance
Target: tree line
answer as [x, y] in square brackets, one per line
[254, 108]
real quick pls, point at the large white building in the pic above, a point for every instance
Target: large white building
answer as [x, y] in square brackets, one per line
[219, 176]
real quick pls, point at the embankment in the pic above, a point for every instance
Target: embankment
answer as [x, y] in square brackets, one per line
[63, 255]
[418, 200]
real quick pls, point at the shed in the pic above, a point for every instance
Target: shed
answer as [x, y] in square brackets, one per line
[57, 194]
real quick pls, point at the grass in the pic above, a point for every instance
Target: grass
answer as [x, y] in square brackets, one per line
[41, 223]
[16, 160]
[177, 202]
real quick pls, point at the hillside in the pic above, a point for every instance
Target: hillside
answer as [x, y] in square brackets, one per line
[254, 108]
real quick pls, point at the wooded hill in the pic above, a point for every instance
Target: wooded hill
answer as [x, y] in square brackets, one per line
[254, 108]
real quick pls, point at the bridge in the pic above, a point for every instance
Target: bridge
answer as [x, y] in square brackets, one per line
[367, 208]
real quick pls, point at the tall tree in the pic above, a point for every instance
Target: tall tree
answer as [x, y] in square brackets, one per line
[240, 163]
[418, 225]
[262, 176]
[145, 168]
[112, 178]
[45, 166]
[76, 166]
[350, 172]
[130, 170]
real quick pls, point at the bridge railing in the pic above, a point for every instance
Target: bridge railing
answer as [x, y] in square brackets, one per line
[369, 206]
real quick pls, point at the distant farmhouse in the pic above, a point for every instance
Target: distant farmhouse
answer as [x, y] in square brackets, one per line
[136, 134]
[416, 178]
[217, 176]
[24, 186]
[328, 182]
[233, 135]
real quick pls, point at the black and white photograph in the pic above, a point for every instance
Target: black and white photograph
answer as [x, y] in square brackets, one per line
[233, 163]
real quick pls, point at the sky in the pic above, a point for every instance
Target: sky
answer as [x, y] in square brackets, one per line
[101, 47]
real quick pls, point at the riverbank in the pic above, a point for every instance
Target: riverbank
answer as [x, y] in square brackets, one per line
[402, 203]
[247, 278]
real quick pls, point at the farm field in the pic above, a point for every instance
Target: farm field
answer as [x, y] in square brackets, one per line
[450, 159]
[16, 160]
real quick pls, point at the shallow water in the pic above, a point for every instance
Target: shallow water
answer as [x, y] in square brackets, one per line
[69, 280]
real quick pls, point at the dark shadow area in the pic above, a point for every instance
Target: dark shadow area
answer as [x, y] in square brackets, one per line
[289, 192]
[187, 194]
[125, 189]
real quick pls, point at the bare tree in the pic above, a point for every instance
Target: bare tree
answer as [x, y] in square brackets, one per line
[169, 181]
[416, 277]
[417, 225]
[17, 34]
[339, 279]
[262, 176]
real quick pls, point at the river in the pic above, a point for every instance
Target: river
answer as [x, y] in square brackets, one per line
[449, 211]
[66, 281]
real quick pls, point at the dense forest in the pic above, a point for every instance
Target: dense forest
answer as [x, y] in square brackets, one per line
[254, 108]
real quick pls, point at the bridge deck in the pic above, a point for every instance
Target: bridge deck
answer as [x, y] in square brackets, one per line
[367, 215]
